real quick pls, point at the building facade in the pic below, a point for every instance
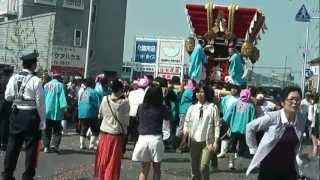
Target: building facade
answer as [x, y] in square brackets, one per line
[70, 31]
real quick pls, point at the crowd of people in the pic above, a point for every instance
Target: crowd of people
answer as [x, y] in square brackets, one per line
[205, 119]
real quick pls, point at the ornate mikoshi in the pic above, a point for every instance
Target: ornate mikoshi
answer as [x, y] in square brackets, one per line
[190, 44]
[222, 24]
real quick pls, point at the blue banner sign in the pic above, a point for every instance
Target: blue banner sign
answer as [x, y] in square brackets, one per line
[146, 51]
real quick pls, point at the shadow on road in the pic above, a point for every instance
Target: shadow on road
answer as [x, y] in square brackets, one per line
[236, 171]
[176, 160]
[73, 151]
[180, 172]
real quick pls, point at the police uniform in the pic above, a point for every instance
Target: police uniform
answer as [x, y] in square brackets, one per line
[5, 109]
[26, 121]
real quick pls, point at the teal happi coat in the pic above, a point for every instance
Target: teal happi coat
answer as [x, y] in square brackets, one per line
[89, 102]
[236, 69]
[55, 100]
[226, 102]
[100, 91]
[239, 115]
[198, 58]
[186, 101]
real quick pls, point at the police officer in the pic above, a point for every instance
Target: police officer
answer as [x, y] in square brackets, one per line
[27, 118]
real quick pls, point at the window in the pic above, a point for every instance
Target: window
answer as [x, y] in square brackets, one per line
[74, 4]
[46, 2]
[77, 40]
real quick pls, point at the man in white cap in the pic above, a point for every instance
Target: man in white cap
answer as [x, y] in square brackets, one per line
[27, 118]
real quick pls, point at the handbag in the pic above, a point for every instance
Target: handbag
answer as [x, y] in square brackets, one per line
[115, 117]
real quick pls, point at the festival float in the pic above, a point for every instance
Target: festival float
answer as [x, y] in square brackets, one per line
[220, 25]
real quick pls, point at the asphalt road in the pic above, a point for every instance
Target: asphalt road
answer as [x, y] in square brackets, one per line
[75, 164]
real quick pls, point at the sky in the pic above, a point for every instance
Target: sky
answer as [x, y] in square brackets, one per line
[284, 39]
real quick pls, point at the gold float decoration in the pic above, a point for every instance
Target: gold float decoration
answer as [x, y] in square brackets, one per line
[255, 55]
[229, 34]
[210, 8]
[247, 49]
[250, 51]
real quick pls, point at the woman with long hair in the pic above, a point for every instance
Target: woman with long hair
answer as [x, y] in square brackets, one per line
[202, 127]
[114, 112]
[150, 148]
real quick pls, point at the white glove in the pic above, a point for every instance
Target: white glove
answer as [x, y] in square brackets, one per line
[42, 125]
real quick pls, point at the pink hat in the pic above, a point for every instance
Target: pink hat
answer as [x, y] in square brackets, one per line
[100, 77]
[142, 83]
[245, 94]
[190, 85]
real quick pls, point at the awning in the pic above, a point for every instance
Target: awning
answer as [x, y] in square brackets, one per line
[315, 61]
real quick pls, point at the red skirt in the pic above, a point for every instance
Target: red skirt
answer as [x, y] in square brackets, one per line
[108, 157]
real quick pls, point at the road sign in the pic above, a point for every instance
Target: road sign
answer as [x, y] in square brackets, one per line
[303, 15]
[308, 73]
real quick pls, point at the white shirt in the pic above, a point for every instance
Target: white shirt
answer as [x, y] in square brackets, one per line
[135, 99]
[312, 114]
[267, 106]
[284, 119]
[304, 106]
[203, 128]
[33, 91]
[80, 91]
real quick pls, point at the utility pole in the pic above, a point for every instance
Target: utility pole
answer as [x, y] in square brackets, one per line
[88, 41]
[284, 83]
[306, 53]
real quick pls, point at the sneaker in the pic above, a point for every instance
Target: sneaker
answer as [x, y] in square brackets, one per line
[83, 147]
[91, 147]
[221, 155]
[231, 165]
[46, 150]
[56, 150]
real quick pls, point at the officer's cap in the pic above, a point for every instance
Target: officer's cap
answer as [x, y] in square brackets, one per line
[30, 56]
